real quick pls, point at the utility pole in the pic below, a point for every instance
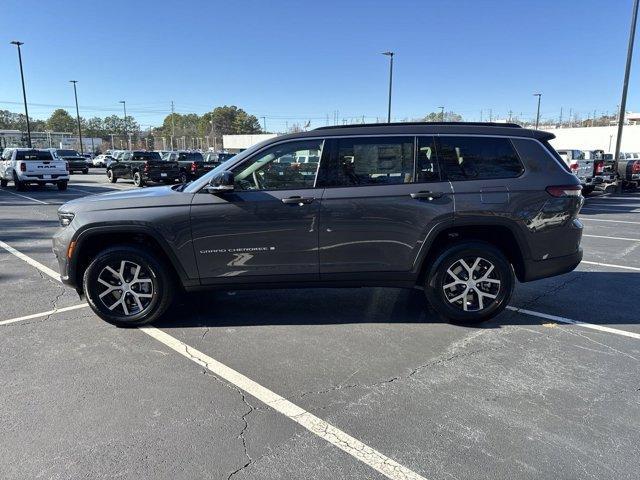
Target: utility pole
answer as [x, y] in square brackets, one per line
[173, 124]
[539, 95]
[390, 55]
[560, 122]
[490, 115]
[75, 93]
[264, 124]
[24, 91]
[124, 105]
[510, 114]
[441, 114]
[625, 84]
[481, 115]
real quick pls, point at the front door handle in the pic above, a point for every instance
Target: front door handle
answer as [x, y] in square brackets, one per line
[298, 200]
[428, 195]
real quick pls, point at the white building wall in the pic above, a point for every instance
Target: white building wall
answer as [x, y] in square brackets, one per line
[597, 138]
[242, 142]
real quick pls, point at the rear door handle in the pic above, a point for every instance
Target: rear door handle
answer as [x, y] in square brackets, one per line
[298, 200]
[428, 195]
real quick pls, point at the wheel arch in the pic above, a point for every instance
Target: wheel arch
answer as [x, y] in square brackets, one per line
[499, 234]
[91, 241]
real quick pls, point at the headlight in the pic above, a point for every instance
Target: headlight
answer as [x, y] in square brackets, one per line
[65, 218]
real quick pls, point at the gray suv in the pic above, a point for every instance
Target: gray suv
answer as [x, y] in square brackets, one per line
[459, 210]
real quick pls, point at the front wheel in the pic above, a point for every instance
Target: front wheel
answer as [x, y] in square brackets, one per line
[137, 180]
[470, 282]
[111, 176]
[127, 286]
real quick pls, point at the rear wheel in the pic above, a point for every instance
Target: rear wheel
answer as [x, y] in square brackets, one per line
[20, 186]
[183, 178]
[588, 189]
[137, 180]
[470, 282]
[62, 185]
[85, 171]
[3, 183]
[111, 176]
[127, 286]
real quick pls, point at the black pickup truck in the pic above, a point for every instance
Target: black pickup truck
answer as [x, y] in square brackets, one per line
[192, 164]
[142, 167]
[77, 163]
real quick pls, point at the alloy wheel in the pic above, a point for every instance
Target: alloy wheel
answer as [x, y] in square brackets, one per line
[470, 282]
[129, 289]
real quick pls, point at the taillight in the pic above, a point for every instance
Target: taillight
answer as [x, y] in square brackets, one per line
[635, 168]
[574, 167]
[564, 190]
[599, 167]
[194, 167]
[146, 167]
[23, 167]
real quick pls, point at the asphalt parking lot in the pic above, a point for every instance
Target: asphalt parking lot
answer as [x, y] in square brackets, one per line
[361, 383]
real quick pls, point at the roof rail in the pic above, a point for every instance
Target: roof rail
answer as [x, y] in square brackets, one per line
[478, 124]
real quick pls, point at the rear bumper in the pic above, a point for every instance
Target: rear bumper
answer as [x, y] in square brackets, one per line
[159, 177]
[535, 270]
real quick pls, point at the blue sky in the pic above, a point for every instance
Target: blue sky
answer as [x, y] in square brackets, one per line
[293, 61]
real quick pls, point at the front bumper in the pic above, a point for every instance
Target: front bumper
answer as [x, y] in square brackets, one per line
[61, 240]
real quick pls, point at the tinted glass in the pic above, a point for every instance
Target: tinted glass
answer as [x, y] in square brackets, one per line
[276, 168]
[478, 158]
[372, 161]
[427, 169]
[26, 155]
[146, 156]
[67, 153]
[191, 156]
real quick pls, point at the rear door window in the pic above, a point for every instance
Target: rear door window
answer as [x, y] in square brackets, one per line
[371, 161]
[427, 167]
[478, 158]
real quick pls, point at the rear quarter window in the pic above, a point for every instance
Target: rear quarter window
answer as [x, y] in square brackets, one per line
[478, 158]
[33, 155]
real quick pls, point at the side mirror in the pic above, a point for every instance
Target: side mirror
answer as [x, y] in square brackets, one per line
[221, 183]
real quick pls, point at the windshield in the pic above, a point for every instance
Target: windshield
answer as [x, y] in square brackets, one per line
[67, 153]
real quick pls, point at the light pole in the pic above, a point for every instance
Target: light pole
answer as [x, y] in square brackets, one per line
[441, 114]
[75, 93]
[390, 55]
[24, 91]
[124, 106]
[625, 84]
[539, 95]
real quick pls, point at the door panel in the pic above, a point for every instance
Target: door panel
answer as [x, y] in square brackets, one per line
[378, 228]
[247, 234]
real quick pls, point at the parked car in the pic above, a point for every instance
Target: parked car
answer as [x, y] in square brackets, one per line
[628, 168]
[77, 163]
[459, 210]
[582, 167]
[24, 166]
[142, 167]
[192, 164]
[102, 160]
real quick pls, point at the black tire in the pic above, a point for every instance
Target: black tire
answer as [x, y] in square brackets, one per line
[183, 178]
[3, 182]
[110, 175]
[156, 272]
[587, 190]
[20, 186]
[137, 179]
[474, 295]
[62, 186]
[85, 171]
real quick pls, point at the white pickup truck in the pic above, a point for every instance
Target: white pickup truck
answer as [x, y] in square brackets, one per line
[582, 167]
[24, 166]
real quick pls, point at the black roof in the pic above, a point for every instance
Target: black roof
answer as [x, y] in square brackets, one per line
[424, 128]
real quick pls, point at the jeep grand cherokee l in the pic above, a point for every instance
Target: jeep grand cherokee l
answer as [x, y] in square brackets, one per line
[458, 210]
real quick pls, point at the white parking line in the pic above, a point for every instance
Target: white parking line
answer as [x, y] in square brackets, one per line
[34, 263]
[623, 267]
[43, 314]
[608, 221]
[340, 439]
[612, 238]
[25, 196]
[592, 326]
[611, 209]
